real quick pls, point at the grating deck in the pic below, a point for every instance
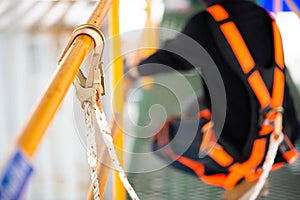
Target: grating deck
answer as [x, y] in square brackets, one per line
[169, 183]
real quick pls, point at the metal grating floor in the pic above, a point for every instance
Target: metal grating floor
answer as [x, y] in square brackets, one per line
[169, 184]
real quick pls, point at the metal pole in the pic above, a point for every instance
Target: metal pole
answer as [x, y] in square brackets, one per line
[293, 7]
[28, 140]
[68, 68]
[35, 128]
[118, 94]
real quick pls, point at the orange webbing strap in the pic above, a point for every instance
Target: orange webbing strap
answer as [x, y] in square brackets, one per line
[238, 46]
[198, 168]
[219, 155]
[288, 150]
[205, 114]
[241, 52]
[278, 88]
[259, 88]
[278, 82]
[209, 146]
[240, 170]
[236, 172]
[218, 12]
[246, 61]
[267, 126]
[279, 59]
[256, 174]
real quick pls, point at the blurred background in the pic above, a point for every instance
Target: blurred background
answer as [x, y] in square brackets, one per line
[33, 34]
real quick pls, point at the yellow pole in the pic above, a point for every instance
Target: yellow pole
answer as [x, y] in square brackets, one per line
[46, 108]
[293, 7]
[118, 98]
[32, 134]
[151, 36]
[43, 114]
[277, 5]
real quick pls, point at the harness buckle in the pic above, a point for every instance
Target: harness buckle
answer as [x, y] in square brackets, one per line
[277, 121]
[90, 88]
[84, 94]
[208, 139]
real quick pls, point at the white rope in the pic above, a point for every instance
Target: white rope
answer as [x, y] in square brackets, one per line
[91, 148]
[267, 166]
[106, 135]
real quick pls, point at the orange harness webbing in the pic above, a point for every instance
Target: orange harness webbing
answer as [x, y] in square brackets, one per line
[247, 63]
[271, 104]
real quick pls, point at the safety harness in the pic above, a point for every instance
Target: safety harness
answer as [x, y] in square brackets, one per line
[270, 104]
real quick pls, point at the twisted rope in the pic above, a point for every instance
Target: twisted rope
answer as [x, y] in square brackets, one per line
[267, 166]
[106, 135]
[91, 148]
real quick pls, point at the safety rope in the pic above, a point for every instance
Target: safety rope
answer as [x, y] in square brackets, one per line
[89, 91]
[106, 135]
[267, 166]
[275, 139]
[91, 147]
[92, 150]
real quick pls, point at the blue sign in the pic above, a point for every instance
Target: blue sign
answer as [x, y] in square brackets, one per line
[15, 176]
[269, 4]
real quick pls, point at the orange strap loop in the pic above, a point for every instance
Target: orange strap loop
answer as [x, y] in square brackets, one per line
[204, 114]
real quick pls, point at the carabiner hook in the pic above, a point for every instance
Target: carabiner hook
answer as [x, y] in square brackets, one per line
[95, 79]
